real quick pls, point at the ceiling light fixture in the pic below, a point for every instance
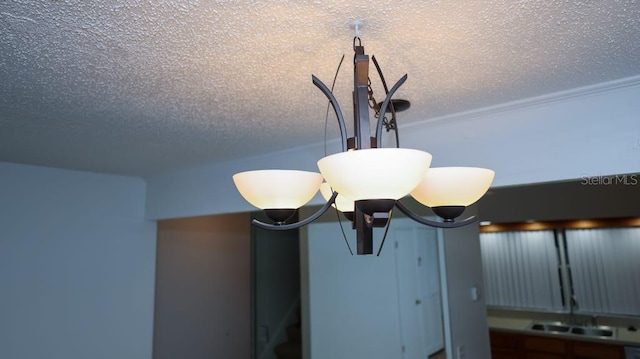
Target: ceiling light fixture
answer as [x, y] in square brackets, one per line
[365, 181]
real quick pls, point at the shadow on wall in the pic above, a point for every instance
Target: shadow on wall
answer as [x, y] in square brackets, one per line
[585, 198]
[203, 291]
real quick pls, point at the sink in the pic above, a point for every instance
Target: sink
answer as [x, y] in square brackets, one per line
[593, 331]
[551, 327]
[579, 330]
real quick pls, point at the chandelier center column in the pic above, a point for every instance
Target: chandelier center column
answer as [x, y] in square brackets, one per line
[362, 139]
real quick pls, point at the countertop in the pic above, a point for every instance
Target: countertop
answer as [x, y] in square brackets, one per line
[520, 325]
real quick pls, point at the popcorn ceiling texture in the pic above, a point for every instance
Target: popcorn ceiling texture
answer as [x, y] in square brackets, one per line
[138, 87]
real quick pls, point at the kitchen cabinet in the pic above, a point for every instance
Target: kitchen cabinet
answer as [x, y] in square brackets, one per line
[525, 346]
[504, 345]
[587, 350]
[534, 344]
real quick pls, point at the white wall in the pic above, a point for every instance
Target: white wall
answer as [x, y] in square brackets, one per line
[209, 189]
[368, 306]
[77, 265]
[588, 131]
[466, 327]
[203, 288]
[353, 305]
[583, 132]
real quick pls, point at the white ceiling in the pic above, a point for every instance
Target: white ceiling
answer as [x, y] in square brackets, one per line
[139, 87]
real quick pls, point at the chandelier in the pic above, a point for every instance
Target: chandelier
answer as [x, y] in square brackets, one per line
[365, 181]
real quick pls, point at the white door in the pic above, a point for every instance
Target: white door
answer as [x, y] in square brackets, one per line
[418, 286]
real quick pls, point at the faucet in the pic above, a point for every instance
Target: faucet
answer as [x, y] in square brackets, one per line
[594, 320]
[573, 305]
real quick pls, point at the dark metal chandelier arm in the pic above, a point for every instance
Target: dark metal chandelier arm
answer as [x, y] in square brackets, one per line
[393, 110]
[285, 227]
[384, 83]
[336, 109]
[383, 109]
[344, 235]
[431, 223]
[386, 231]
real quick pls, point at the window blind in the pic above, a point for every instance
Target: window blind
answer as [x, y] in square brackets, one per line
[605, 269]
[521, 269]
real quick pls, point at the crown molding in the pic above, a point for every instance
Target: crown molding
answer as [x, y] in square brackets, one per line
[537, 101]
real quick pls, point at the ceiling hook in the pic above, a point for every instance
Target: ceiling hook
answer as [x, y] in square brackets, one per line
[356, 29]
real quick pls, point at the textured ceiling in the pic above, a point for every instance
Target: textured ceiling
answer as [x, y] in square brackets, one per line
[139, 87]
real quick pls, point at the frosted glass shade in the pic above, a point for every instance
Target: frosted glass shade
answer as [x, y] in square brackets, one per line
[342, 203]
[277, 189]
[378, 173]
[453, 186]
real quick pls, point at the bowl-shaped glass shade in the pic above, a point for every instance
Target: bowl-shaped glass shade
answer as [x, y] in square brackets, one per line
[342, 203]
[277, 189]
[378, 173]
[453, 186]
